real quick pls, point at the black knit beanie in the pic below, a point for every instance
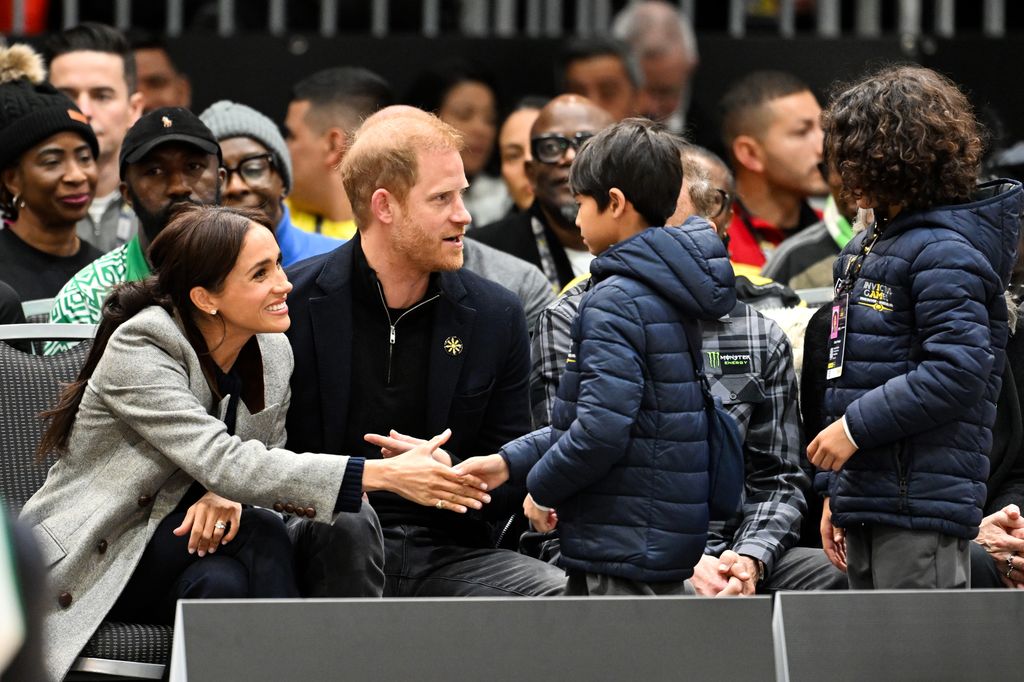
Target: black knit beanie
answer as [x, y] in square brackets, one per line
[32, 110]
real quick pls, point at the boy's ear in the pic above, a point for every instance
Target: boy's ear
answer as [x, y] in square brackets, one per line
[616, 202]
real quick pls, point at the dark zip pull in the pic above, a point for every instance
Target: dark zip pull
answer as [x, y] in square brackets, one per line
[392, 334]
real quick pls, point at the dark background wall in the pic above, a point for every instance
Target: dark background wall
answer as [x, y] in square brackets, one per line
[260, 70]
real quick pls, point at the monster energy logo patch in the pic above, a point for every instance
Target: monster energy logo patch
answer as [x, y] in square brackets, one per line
[735, 363]
[714, 358]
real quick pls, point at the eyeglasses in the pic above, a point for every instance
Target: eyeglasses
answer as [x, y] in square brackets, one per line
[254, 170]
[724, 202]
[551, 148]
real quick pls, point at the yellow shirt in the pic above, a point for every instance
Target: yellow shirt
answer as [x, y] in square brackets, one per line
[309, 222]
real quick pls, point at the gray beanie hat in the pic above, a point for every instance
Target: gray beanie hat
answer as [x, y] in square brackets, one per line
[230, 119]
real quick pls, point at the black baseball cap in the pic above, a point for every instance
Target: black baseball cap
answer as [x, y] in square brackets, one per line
[167, 124]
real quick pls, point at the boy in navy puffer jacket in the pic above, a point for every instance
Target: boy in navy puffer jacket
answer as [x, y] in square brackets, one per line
[625, 461]
[919, 299]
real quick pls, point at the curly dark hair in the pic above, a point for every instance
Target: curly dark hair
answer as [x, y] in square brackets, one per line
[904, 136]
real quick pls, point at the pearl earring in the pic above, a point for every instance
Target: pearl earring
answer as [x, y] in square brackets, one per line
[213, 312]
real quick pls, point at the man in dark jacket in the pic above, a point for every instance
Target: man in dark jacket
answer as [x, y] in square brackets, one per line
[546, 235]
[389, 333]
[918, 334]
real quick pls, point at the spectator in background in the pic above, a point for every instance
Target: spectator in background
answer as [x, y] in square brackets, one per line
[713, 202]
[804, 261]
[547, 235]
[993, 552]
[662, 42]
[259, 175]
[10, 305]
[47, 178]
[756, 291]
[169, 158]
[94, 66]
[161, 84]
[601, 71]
[325, 110]
[464, 96]
[771, 129]
[514, 148]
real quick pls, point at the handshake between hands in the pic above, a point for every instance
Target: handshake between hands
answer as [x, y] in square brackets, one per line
[422, 472]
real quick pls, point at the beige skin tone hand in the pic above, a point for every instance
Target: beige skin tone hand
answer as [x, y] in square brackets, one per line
[726, 576]
[543, 521]
[831, 449]
[201, 519]
[1002, 536]
[491, 469]
[833, 540]
[418, 476]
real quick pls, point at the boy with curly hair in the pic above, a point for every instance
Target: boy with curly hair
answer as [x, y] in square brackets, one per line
[919, 328]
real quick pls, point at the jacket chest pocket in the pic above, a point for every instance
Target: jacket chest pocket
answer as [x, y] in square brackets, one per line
[50, 548]
[260, 426]
[734, 389]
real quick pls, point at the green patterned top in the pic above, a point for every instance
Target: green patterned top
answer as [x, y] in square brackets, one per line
[81, 299]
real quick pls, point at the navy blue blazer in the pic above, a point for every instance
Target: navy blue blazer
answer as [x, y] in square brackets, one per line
[481, 393]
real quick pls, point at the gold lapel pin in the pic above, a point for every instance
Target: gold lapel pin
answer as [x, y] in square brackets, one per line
[452, 346]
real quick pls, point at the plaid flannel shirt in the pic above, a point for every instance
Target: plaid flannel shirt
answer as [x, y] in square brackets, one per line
[749, 363]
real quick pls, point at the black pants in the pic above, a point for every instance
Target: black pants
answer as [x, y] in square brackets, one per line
[344, 558]
[257, 563]
[984, 571]
[420, 562]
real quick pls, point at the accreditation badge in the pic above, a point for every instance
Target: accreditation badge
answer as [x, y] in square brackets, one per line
[837, 336]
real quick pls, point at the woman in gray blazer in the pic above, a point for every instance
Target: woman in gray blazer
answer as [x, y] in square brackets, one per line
[178, 415]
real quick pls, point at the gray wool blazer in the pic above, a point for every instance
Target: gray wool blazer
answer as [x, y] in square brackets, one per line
[146, 428]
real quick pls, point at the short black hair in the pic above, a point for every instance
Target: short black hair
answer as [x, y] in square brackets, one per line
[93, 37]
[588, 48]
[640, 158]
[748, 95]
[342, 96]
[141, 39]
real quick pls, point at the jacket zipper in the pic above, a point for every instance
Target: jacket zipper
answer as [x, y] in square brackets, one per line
[902, 475]
[393, 325]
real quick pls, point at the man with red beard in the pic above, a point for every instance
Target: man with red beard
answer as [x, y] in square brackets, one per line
[390, 333]
[546, 235]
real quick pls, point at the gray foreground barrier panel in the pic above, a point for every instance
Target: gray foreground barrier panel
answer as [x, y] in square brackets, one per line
[899, 635]
[519, 640]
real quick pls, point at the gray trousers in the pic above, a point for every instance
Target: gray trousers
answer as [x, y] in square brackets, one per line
[582, 584]
[887, 558]
[344, 558]
[804, 568]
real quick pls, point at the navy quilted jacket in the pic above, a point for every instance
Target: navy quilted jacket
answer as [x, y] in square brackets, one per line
[923, 365]
[625, 461]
